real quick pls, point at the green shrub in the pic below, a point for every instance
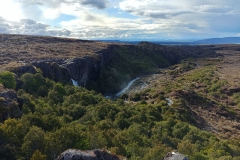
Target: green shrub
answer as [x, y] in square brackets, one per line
[8, 80]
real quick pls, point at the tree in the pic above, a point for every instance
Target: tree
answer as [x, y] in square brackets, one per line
[186, 148]
[8, 79]
[33, 140]
[180, 130]
[15, 130]
[37, 155]
[157, 152]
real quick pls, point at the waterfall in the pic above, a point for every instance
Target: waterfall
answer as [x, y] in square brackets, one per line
[75, 83]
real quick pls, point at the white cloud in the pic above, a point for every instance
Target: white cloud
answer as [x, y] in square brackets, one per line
[172, 8]
[30, 27]
[51, 14]
[187, 18]
[10, 10]
[139, 18]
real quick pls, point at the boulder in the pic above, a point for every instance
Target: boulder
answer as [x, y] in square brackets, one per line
[97, 154]
[175, 156]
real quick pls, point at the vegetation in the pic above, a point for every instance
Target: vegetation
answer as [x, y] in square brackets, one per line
[7, 79]
[58, 116]
[70, 117]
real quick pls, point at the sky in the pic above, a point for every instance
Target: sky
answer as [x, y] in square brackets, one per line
[122, 19]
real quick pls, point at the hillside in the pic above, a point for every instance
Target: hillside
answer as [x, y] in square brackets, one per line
[17, 50]
[185, 98]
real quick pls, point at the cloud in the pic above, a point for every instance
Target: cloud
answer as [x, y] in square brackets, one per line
[187, 18]
[100, 4]
[3, 26]
[168, 9]
[213, 8]
[89, 17]
[152, 8]
[132, 19]
[10, 10]
[30, 27]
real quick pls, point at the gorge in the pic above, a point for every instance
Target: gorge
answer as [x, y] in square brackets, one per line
[183, 98]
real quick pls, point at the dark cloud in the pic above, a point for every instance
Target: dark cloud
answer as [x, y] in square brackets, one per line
[164, 15]
[100, 4]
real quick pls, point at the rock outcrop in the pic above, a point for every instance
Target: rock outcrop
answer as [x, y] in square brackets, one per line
[24, 69]
[73, 154]
[10, 105]
[53, 70]
[175, 156]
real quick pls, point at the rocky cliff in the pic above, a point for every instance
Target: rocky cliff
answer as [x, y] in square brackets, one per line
[80, 69]
[83, 69]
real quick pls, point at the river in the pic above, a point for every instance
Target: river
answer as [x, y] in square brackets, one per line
[126, 88]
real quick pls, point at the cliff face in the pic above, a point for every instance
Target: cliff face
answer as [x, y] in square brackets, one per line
[83, 69]
[53, 70]
[80, 69]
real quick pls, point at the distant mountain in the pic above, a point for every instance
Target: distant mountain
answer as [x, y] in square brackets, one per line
[225, 40]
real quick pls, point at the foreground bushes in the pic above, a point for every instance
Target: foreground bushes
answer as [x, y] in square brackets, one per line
[57, 117]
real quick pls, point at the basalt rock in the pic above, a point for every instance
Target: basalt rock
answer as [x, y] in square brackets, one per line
[83, 69]
[24, 69]
[80, 69]
[10, 105]
[73, 154]
[53, 70]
